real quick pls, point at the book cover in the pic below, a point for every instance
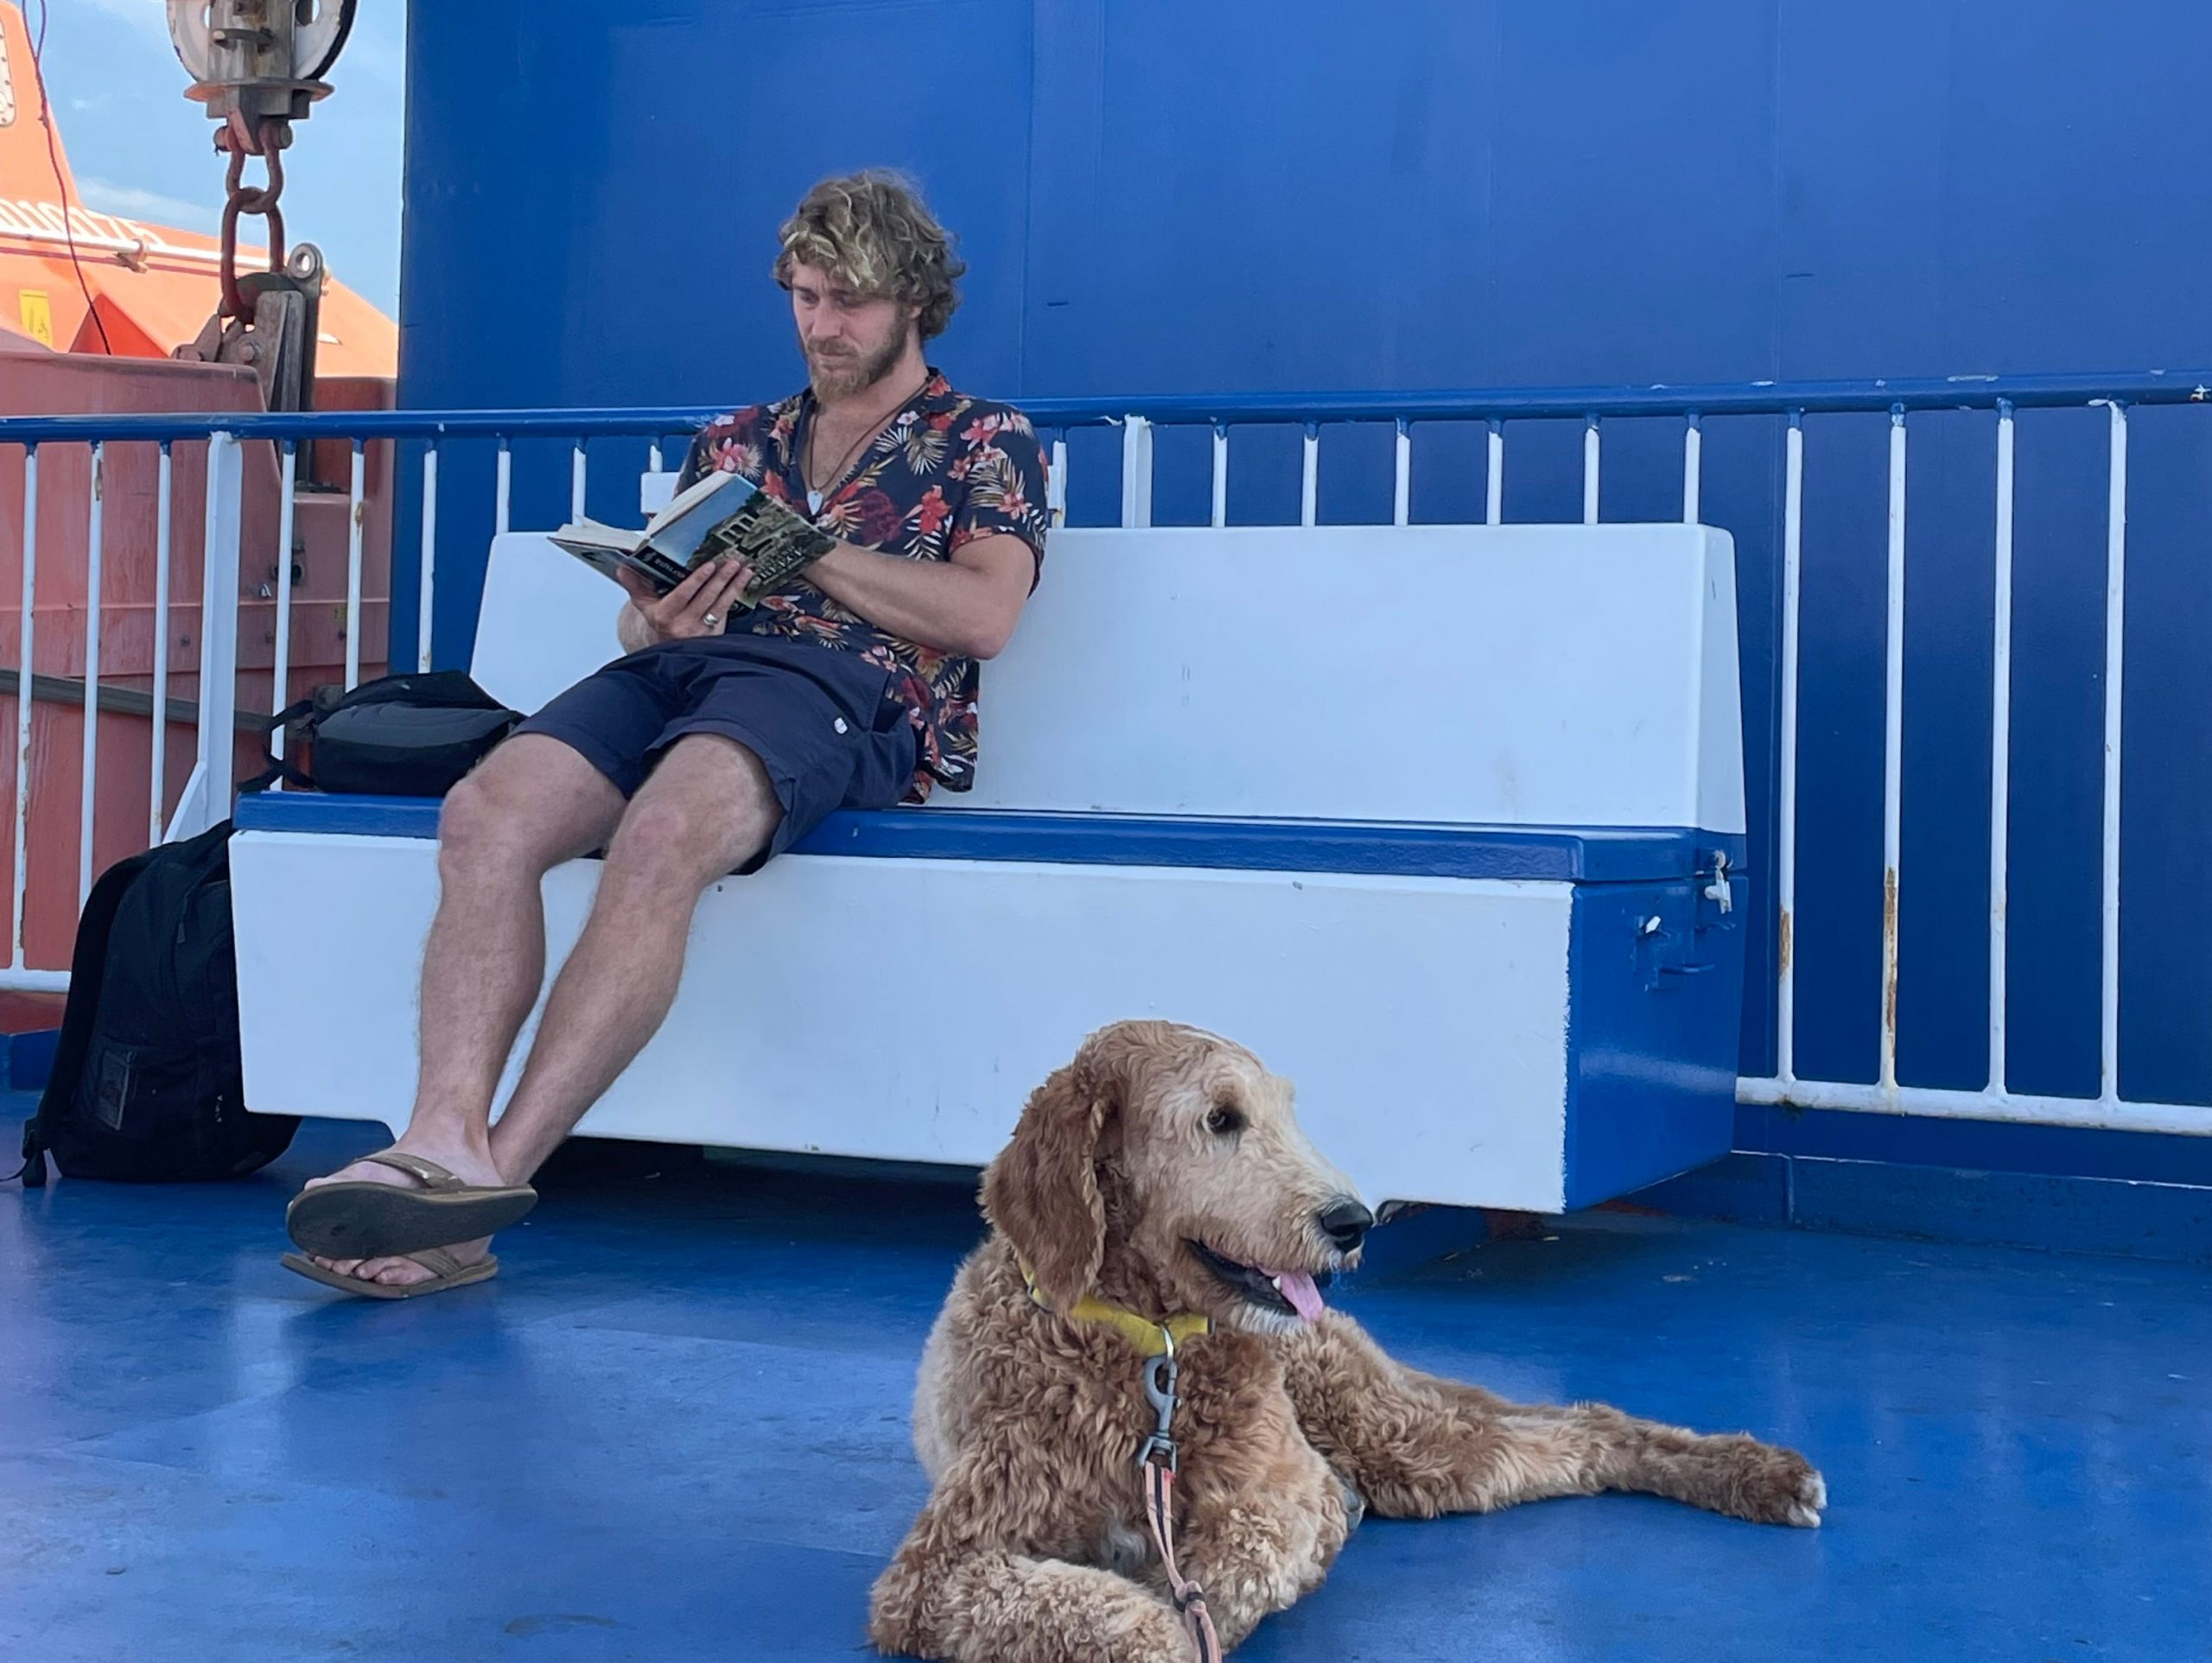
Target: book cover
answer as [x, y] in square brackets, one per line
[720, 516]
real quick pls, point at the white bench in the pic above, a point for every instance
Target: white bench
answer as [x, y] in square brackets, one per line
[1447, 823]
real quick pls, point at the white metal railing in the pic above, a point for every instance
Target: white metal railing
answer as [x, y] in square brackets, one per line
[205, 798]
[1996, 1099]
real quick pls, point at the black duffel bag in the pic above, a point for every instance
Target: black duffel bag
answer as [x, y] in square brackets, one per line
[414, 735]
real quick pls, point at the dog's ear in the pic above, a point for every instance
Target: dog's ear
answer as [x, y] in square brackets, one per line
[1042, 1191]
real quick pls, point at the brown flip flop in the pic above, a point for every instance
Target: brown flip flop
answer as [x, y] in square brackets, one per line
[358, 1219]
[447, 1271]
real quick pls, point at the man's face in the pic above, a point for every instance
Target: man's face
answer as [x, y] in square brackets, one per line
[851, 340]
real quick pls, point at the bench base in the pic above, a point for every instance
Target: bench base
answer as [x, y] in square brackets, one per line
[1534, 1044]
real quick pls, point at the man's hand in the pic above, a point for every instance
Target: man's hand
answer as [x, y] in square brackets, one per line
[697, 607]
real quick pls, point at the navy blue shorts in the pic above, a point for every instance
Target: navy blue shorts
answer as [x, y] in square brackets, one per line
[823, 722]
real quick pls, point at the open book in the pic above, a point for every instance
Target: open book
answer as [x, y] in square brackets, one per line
[720, 516]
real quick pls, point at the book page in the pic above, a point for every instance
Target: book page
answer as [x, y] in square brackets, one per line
[599, 533]
[702, 490]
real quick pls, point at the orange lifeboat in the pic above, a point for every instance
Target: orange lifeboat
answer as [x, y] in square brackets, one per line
[91, 307]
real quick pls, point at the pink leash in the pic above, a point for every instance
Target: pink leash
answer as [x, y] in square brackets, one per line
[1156, 1460]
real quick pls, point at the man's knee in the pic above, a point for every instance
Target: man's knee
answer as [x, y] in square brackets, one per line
[509, 814]
[692, 825]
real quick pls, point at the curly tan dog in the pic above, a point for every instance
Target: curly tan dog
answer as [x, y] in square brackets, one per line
[1162, 1177]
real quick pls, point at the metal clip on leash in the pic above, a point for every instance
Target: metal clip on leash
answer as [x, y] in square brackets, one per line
[1159, 1391]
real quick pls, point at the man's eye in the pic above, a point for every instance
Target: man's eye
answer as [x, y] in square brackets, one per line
[1222, 1120]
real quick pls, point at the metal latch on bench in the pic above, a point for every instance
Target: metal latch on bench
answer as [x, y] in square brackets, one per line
[1673, 956]
[1718, 890]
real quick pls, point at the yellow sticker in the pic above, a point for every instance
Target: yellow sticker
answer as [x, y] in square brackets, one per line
[37, 315]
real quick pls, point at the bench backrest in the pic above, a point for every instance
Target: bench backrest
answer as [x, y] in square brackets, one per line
[1512, 675]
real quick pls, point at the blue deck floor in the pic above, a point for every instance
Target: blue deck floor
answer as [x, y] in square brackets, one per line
[676, 1429]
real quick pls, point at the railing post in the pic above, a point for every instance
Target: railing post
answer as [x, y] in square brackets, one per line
[357, 509]
[1589, 470]
[27, 665]
[1893, 756]
[2000, 746]
[207, 799]
[95, 577]
[1692, 468]
[425, 615]
[1793, 528]
[1136, 470]
[1309, 477]
[157, 770]
[2115, 662]
[280, 672]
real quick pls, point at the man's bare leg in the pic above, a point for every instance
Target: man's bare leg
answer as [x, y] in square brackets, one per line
[533, 803]
[706, 810]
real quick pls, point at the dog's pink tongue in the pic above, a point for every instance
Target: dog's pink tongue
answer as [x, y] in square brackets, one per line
[1297, 1287]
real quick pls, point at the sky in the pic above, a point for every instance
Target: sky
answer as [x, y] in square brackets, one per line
[140, 149]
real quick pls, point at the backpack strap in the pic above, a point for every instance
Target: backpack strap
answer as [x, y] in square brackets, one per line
[87, 967]
[279, 767]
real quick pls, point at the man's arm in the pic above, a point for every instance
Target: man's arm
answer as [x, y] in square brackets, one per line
[967, 604]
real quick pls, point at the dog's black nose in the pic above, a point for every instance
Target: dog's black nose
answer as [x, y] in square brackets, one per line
[1346, 1223]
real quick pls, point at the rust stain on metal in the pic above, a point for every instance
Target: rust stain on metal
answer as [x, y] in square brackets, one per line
[1890, 951]
[1789, 938]
[360, 510]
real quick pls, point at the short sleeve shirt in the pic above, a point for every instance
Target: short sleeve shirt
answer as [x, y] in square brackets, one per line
[947, 469]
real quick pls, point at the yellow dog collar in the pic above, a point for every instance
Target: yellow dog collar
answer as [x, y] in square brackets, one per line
[1152, 1339]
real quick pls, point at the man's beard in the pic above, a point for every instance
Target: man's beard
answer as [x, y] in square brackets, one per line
[843, 377]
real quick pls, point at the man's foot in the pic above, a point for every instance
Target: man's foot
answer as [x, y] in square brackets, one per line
[469, 1163]
[404, 1273]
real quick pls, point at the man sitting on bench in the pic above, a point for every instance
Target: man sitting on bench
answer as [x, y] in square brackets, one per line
[727, 734]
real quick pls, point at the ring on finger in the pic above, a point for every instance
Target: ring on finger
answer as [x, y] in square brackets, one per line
[709, 619]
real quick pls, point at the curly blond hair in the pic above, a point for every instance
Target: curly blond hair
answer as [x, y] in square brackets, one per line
[872, 231]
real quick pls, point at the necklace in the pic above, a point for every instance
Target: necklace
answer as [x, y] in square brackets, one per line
[815, 498]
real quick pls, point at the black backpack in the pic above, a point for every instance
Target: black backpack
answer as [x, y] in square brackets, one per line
[146, 1085]
[413, 735]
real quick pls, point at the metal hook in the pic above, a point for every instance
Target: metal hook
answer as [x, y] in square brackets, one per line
[1159, 1374]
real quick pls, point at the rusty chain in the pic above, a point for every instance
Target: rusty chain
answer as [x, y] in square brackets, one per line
[265, 139]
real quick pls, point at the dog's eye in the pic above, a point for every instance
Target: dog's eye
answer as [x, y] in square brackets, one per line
[1222, 1120]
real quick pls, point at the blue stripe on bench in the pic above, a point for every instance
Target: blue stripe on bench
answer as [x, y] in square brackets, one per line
[1376, 849]
[1587, 854]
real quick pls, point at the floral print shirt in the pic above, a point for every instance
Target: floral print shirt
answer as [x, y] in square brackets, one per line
[947, 469]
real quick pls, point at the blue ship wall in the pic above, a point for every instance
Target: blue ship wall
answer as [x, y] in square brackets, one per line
[1288, 194]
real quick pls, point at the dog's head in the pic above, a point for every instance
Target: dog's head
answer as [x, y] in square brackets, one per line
[1164, 1168]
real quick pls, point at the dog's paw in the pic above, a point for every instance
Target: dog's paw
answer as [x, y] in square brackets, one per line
[1735, 1474]
[1812, 1499]
[1156, 1635]
[1775, 1486]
